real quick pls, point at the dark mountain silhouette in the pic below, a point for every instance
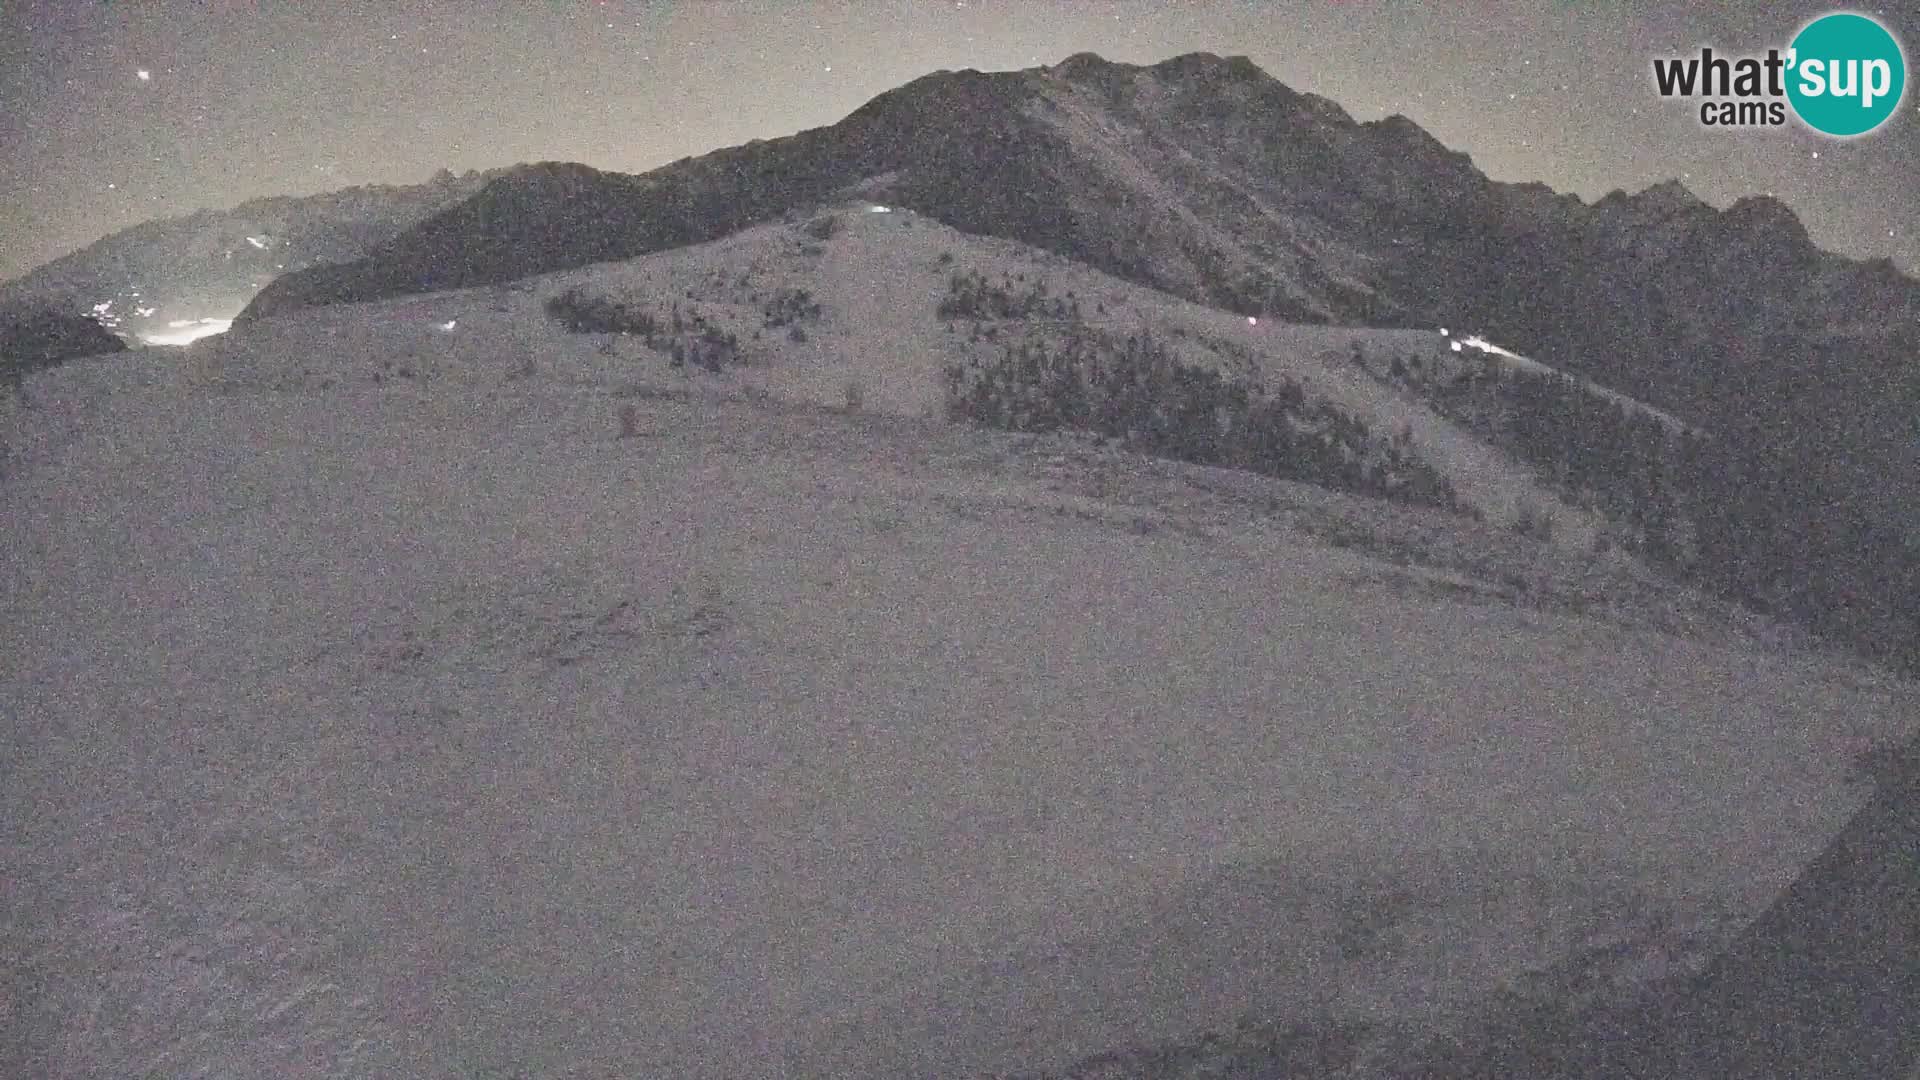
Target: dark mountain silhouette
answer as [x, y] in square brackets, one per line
[35, 338]
[205, 265]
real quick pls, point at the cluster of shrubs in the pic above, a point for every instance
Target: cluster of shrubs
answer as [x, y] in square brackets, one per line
[688, 338]
[1622, 457]
[1138, 392]
[973, 296]
[1619, 459]
[585, 314]
[789, 306]
[699, 342]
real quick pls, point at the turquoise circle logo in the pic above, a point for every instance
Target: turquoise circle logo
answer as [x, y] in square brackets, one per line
[1847, 74]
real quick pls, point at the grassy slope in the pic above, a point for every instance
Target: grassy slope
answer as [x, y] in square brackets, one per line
[428, 729]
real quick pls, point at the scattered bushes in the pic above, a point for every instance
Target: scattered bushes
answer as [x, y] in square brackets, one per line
[1138, 392]
[972, 296]
[686, 337]
[1620, 459]
[789, 306]
[1533, 521]
[584, 314]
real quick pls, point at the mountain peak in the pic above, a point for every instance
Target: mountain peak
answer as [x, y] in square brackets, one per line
[1658, 202]
[1206, 67]
[1082, 64]
[1669, 195]
[1766, 216]
[1403, 127]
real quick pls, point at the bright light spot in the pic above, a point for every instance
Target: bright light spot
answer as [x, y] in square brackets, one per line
[187, 331]
[1253, 320]
[145, 312]
[144, 75]
[1456, 346]
[449, 324]
[103, 307]
[876, 209]
[257, 242]
[1443, 332]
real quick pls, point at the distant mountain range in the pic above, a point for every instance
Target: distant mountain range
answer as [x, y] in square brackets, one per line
[209, 264]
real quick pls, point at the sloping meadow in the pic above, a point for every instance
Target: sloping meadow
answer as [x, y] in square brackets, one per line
[423, 729]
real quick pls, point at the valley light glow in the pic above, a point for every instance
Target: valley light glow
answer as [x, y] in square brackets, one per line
[187, 331]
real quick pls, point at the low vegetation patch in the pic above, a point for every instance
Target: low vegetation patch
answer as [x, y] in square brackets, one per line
[584, 314]
[1135, 390]
[685, 337]
[789, 307]
[973, 295]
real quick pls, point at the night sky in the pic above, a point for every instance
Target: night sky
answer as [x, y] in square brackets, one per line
[245, 99]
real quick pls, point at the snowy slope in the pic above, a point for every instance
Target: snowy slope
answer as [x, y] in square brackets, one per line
[423, 726]
[879, 277]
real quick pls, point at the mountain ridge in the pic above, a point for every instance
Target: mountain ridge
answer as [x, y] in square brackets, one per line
[1205, 178]
[211, 262]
